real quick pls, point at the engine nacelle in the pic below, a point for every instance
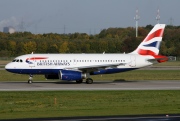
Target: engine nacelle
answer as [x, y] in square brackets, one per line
[71, 75]
[51, 76]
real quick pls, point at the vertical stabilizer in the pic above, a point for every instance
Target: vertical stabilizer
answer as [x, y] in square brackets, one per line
[150, 45]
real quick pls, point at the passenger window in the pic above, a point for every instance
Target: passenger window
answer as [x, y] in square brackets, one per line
[17, 60]
[21, 61]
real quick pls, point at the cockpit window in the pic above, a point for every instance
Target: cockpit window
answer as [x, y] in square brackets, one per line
[14, 60]
[17, 60]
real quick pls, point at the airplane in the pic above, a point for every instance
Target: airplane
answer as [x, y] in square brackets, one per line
[76, 67]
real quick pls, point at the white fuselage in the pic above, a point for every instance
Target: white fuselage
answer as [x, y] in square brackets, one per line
[52, 63]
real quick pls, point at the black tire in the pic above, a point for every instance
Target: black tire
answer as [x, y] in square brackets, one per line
[79, 81]
[29, 81]
[89, 81]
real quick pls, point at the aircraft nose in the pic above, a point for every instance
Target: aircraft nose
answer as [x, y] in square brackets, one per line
[10, 67]
[7, 66]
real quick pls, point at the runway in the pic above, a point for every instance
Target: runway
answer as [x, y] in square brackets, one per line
[97, 85]
[108, 118]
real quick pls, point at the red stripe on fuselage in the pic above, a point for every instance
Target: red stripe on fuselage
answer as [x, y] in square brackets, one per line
[36, 58]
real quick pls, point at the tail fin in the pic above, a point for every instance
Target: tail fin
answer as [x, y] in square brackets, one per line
[150, 45]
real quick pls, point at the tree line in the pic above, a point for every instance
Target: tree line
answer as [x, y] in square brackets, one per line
[111, 40]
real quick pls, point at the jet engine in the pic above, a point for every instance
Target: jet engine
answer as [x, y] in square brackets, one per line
[71, 75]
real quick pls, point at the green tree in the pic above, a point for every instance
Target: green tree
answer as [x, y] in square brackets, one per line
[29, 47]
[53, 49]
[42, 46]
[64, 47]
[12, 47]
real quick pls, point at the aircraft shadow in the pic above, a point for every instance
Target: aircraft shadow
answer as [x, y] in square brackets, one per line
[122, 81]
[70, 82]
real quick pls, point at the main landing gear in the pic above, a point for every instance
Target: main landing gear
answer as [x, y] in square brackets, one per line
[88, 81]
[30, 79]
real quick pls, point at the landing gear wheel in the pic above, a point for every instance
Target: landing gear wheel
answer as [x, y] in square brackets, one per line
[30, 81]
[89, 81]
[79, 81]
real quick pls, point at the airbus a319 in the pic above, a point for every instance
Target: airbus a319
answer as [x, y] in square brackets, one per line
[76, 67]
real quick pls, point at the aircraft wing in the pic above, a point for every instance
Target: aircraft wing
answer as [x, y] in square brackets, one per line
[95, 67]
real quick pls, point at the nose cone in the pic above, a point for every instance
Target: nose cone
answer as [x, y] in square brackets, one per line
[13, 68]
[9, 67]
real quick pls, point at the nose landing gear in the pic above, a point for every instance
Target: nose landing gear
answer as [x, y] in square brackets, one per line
[30, 79]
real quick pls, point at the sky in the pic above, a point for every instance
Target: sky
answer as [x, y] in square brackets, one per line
[84, 16]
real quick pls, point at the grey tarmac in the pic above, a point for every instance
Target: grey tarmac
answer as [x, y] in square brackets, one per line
[97, 85]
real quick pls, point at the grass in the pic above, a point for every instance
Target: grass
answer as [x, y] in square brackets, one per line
[170, 63]
[87, 103]
[4, 62]
[128, 76]
[142, 75]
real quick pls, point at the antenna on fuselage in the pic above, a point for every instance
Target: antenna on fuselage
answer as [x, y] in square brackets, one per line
[104, 52]
[32, 53]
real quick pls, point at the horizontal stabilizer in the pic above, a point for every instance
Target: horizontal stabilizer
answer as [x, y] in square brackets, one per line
[159, 59]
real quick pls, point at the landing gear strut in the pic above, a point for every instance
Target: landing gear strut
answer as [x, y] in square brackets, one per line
[30, 79]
